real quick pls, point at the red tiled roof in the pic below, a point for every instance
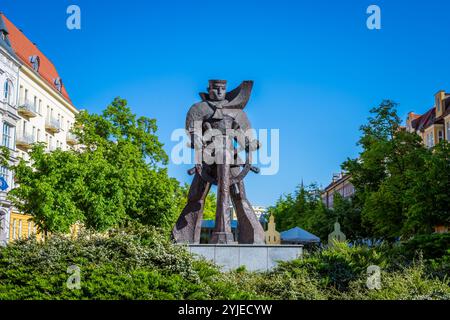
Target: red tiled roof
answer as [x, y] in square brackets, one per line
[24, 49]
[425, 120]
[429, 118]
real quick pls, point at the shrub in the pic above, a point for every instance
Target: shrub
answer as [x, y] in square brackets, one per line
[141, 263]
[124, 264]
[432, 246]
[412, 283]
[336, 266]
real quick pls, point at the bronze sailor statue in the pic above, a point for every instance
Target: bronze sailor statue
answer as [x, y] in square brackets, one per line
[219, 131]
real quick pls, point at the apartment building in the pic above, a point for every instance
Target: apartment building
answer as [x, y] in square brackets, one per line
[44, 110]
[434, 125]
[340, 183]
[9, 84]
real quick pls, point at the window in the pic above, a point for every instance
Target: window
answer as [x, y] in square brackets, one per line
[6, 174]
[438, 104]
[7, 135]
[29, 228]
[39, 106]
[33, 133]
[14, 224]
[35, 62]
[58, 84]
[448, 130]
[8, 91]
[38, 137]
[430, 139]
[24, 129]
[21, 95]
[440, 135]
[20, 230]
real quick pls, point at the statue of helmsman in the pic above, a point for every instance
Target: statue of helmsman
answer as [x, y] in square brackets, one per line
[220, 133]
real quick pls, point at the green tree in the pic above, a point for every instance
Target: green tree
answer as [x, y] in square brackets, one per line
[209, 211]
[303, 209]
[348, 214]
[385, 171]
[118, 175]
[429, 195]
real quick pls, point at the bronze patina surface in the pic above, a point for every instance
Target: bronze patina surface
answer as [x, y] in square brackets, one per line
[221, 114]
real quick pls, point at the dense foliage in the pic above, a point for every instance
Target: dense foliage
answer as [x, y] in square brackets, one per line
[305, 209]
[401, 187]
[117, 175]
[140, 263]
[209, 211]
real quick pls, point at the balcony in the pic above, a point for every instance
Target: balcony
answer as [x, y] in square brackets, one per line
[27, 109]
[52, 125]
[71, 139]
[24, 141]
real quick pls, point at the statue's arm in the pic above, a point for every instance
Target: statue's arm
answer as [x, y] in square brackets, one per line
[242, 124]
[194, 125]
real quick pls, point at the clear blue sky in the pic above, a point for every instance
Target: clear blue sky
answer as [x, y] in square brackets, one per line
[317, 69]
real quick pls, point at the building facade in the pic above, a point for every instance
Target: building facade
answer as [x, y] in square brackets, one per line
[9, 84]
[272, 235]
[44, 111]
[434, 125]
[342, 184]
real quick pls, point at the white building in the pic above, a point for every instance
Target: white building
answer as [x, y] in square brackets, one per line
[9, 84]
[43, 109]
[259, 211]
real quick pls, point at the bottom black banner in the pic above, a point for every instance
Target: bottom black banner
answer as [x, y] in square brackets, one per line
[223, 309]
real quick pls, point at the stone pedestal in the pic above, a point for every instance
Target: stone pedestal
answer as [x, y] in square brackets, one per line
[222, 238]
[254, 257]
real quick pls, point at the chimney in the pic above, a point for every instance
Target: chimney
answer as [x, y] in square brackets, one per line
[438, 98]
[411, 116]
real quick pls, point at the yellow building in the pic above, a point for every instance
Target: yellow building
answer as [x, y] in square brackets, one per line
[434, 125]
[45, 111]
[341, 184]
[272, 235]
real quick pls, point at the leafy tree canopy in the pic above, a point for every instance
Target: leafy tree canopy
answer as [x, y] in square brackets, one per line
[116, 175]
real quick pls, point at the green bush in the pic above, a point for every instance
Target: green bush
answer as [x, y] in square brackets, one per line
[336, 266]
[432, 246]
[409, 284]
[125, 264]
[141, 263]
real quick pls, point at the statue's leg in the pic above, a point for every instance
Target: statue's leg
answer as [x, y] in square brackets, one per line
[189, 224]
[250, 229]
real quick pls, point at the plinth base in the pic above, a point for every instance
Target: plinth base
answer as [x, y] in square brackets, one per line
[222, 238]
[253, 257]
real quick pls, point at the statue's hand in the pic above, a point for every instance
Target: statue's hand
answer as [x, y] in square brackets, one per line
[197, 142]
[254, 145]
